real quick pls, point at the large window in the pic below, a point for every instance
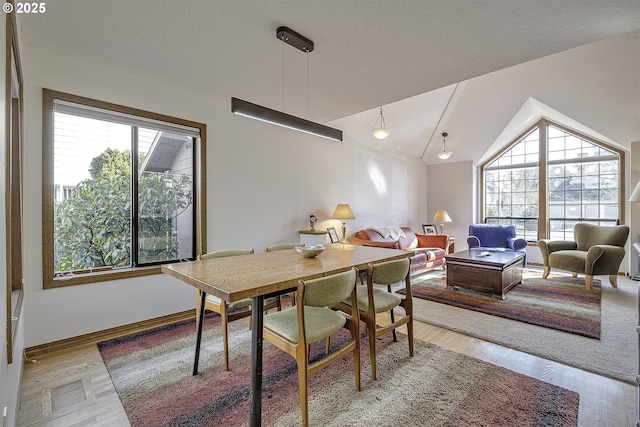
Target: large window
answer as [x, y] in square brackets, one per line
[119, 190]
[551, 178]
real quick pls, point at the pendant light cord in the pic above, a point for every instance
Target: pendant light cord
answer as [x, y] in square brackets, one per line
[282, 109]
[307, 84]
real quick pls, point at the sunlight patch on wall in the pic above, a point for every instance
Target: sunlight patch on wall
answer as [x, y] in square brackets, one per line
[370, 183]
[378, 180]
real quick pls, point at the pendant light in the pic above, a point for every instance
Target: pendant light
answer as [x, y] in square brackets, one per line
[280, 118]
[445, 153]
[380, 132]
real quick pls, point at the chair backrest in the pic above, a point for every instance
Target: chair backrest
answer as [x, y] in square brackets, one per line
[493, 235]
[390, 272]
[587, 235]
[329, 290]
[225, 253]
[282, 247]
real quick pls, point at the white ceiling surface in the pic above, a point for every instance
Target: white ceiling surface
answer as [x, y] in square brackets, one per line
[367, 53]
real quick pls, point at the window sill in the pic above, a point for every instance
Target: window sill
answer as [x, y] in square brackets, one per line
[102, 276]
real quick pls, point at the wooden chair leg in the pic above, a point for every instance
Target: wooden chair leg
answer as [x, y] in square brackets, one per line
[372, 348]
[588, 280]
[613, 279]
[303, 385]
[356, 354]
[545, 272]
[410, 335]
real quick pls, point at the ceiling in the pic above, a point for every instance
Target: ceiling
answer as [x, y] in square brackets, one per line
[367, 53]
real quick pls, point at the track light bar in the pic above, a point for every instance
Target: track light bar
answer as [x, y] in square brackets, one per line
[258, 112]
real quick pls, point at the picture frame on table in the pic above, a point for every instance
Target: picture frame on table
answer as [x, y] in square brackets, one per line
[333, 235]
[429, 229]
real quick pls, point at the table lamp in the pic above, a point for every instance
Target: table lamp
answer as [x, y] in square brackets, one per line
[635, 196]
[343, 211]
[441, 217]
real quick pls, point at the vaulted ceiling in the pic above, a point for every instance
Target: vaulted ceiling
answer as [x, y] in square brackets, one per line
[406, 55]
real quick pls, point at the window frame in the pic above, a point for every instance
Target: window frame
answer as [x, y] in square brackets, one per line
[100, 275]
[543, 163]
[14, 131]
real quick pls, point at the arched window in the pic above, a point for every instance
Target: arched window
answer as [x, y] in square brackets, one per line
[551, 178]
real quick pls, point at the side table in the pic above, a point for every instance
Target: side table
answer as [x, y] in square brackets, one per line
[313, 237]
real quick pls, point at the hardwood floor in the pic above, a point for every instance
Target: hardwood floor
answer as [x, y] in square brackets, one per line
[73, 388]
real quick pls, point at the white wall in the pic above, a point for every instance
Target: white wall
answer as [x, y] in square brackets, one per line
[450, 188]
[596, 85]
[263, 182]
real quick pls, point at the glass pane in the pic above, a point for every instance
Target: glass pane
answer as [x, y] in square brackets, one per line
[581, 191]
[92, 189]
[165, 197]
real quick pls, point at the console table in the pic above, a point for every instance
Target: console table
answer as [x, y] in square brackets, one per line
[313, 237]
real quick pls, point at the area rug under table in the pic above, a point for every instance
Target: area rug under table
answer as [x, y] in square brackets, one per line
[561, 303]
[151, 372]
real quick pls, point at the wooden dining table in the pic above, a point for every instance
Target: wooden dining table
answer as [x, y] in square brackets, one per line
[263, 275]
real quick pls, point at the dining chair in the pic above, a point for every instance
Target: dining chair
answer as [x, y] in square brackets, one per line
[371, 300]
[221, 307]
[284, 247]
[311, 320]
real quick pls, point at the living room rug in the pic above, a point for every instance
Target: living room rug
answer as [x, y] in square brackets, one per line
[561, 303]
[151, 372]
[614, 355]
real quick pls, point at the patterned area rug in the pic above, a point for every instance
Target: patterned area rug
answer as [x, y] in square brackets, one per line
[561, 303]
[151, 372]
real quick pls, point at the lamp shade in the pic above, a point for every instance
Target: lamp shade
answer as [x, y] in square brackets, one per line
[343, 211]
[445, 153]
[441, 216]
[380, 129]
[381, 133]
[635, 196]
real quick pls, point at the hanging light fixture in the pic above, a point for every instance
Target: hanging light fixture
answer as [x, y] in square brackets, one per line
[445, 153]
[381, 131]
[280, 118]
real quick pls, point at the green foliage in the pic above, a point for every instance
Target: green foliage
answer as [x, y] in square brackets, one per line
[111, 164]
[93, 226]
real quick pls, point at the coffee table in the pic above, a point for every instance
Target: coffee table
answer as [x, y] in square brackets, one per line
[493, 272]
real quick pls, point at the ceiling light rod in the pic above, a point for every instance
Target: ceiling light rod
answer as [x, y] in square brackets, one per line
[294, 39]
[258, 112]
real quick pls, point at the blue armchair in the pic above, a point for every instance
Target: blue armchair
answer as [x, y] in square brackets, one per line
[496, 237]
